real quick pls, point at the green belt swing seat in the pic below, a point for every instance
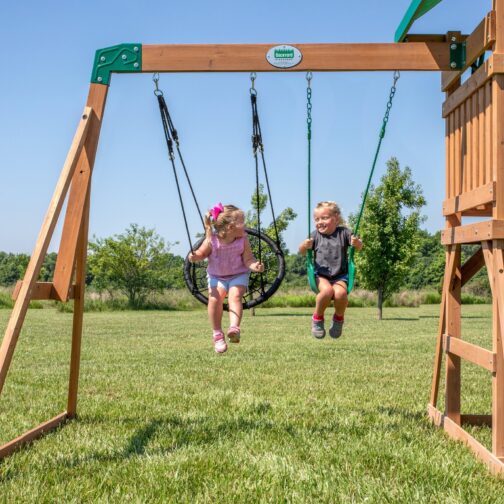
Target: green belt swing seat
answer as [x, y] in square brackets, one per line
[352, 270]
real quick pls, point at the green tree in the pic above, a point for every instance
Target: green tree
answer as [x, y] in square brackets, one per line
[390, 232]
[282, 219]
[427, 269]
[295, 271]
[136, 263]
[47, 270]
[12, 267]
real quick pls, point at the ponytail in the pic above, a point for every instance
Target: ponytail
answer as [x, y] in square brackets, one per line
[208, 225]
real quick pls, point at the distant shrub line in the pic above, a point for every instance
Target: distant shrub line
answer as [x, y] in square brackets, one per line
[181, 300]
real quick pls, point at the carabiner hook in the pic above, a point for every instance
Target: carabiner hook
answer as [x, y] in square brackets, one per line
[253, 77]
[309, 77]
[155, 78]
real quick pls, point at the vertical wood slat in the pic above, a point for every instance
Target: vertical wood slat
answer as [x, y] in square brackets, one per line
[488, 133]
[32, 272]
[469, 144]
[456, 157]
[466, 125]
[481, 136]
[447, 158]
[475, 142]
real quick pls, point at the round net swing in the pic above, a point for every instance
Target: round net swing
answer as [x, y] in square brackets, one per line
[261, 285]
[268, 251]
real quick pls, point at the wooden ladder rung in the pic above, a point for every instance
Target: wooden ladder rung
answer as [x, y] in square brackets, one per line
[469, 352]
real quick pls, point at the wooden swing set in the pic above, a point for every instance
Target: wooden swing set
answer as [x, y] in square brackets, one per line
[474, 114]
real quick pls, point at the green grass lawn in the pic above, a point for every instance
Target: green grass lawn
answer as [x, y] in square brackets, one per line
[281, 417]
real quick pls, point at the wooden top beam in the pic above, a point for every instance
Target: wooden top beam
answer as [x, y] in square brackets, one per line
[429, 56]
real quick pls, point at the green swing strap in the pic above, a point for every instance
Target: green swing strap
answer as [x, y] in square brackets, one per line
[351, 263]
[309, 254]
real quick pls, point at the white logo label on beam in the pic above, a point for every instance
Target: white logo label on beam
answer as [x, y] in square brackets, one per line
[284, 56]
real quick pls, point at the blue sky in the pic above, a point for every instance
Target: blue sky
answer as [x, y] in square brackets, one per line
[47, 55]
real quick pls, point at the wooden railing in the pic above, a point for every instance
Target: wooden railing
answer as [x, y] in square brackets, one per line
[469, 114]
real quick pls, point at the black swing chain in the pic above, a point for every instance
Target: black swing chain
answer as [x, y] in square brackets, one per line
[171, 136]
[257, 145]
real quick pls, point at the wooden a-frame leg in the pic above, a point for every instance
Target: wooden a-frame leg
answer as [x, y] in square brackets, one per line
[448, 276]
[37, 258]
[21, 307]
[468, 270]
[78, 312]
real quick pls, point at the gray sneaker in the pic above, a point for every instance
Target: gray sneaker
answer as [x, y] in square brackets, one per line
[317, 329]
[336, 328]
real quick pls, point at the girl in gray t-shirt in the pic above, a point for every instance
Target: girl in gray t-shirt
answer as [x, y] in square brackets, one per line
[330, 242]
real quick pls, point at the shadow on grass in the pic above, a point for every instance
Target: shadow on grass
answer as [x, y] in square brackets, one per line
[405, 414]
[140, 439]
[174, 434]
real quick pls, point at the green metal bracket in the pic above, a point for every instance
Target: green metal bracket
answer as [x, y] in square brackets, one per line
[457, 55]
[120, 58]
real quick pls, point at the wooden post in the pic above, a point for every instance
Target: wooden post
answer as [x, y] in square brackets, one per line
[449, 272]
[74, 241]
[498, 143]
[453, 325]
[498, 245]
[497, 348]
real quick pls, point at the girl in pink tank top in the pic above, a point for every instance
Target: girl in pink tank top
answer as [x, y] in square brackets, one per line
[230, 260]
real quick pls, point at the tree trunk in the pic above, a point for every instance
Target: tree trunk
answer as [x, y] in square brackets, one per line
[380, 303]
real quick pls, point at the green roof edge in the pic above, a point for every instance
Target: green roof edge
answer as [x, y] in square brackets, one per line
[416, 9]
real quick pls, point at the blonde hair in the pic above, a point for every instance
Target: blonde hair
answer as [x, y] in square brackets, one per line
[334, 208]
[229, 215]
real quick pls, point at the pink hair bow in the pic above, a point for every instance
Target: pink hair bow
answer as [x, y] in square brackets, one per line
[216, 210]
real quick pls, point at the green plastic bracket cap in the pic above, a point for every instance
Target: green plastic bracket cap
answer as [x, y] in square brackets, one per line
[120, 58]
[457, 55]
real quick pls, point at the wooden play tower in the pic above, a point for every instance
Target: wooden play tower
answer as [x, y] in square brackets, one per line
[474, 113]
